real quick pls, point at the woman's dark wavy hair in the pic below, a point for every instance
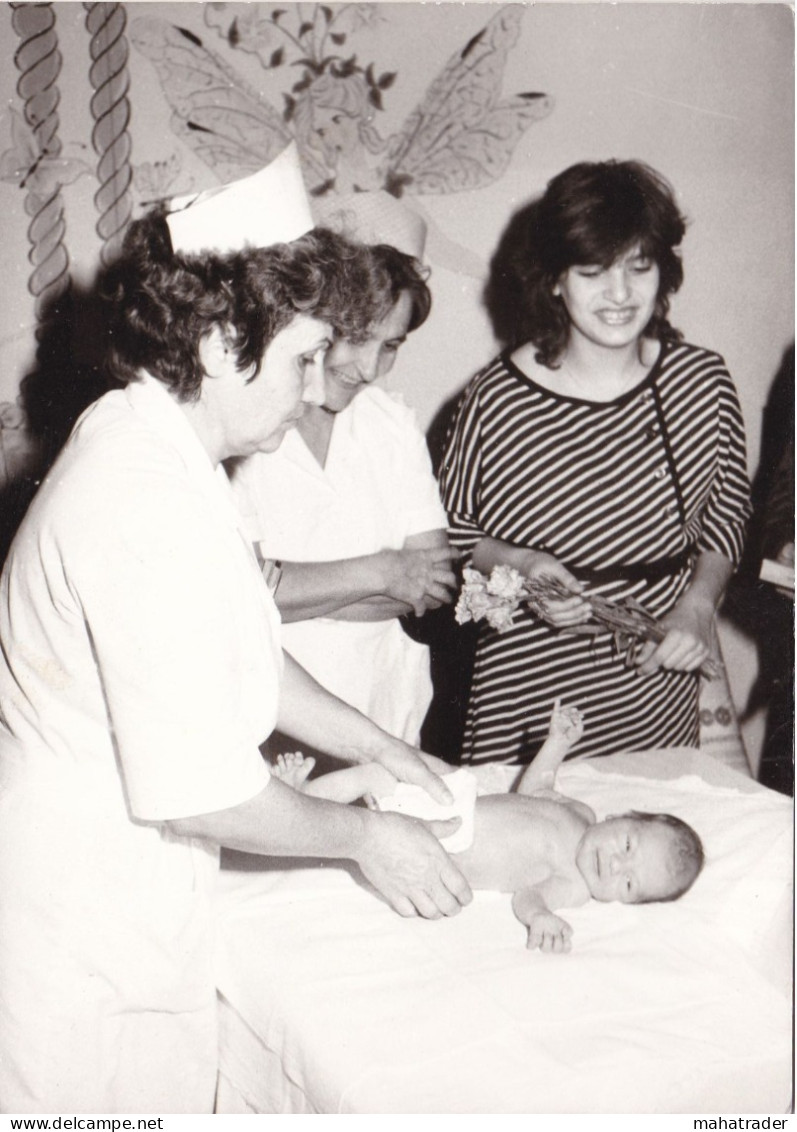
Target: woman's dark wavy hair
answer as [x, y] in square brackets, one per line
[164, 303]
[591, 213]
[401, 273]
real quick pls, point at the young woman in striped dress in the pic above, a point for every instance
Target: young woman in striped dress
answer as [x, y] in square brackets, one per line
[607, 452]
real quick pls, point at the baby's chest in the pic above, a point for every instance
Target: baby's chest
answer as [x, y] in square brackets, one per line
[523, 853]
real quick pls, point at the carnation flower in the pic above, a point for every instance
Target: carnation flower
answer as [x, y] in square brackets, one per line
[497, 598]
[500, 618]
[506, 582]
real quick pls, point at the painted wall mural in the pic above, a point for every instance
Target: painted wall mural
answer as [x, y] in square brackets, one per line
[110, 110]
[461, 135]
[323, 93]
[36, 165]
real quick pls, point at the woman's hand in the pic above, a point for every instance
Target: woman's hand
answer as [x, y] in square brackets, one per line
[420, 577]
[690, 634]
[690, 623]
[574, 610]
[405, 862]
[400, 856]
[407, 764]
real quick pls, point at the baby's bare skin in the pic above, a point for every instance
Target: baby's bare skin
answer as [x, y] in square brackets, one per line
[547, 850]
[520, 841]
[524, 842]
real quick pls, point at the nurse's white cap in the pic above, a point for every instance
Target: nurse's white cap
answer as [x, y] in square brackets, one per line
[268, 207]
[373, 218]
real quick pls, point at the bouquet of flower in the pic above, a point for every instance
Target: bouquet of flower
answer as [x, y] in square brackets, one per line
[495, 600]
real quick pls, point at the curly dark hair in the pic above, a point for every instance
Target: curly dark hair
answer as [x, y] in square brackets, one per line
[163, 303]
[592, 213]
[401, 273]
[686, 858]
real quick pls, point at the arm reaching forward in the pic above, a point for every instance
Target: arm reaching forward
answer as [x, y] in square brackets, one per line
[314, 716]
[375, 587]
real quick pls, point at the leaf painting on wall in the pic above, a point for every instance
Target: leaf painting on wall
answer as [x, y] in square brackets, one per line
[461, 135]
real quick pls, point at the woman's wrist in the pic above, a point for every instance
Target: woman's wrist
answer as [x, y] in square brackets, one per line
[698, 601]
[354, 834]
[492, 552]
[705, 591]
[527, 562]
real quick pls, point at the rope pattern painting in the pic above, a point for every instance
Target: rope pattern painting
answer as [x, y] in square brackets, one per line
[39, 62]
[110, 109]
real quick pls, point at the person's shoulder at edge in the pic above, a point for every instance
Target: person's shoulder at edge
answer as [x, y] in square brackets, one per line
[679, 349]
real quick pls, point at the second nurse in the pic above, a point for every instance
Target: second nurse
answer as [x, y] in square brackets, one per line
[349, 504]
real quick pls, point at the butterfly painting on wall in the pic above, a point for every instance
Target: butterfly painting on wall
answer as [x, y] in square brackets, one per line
[36, 168]
[461, 135]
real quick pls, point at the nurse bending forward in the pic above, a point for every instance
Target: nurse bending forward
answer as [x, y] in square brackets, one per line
[141, 669]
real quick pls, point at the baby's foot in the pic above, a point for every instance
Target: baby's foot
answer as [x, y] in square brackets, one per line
[293, 769]
[567, 723]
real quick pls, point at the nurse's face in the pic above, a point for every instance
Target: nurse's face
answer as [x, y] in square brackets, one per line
[351, 366]
[291, 376]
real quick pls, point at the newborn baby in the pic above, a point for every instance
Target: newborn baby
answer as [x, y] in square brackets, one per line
[546, 849]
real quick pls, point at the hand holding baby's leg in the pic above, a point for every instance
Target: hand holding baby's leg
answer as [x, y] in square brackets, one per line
[549, 932]
[293, 769]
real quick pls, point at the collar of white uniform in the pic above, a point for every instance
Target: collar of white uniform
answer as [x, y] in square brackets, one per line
[151, 399]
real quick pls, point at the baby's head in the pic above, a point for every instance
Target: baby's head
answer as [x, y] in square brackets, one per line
[639, 858]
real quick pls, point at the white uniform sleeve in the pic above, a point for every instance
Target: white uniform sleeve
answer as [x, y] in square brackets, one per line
[415, 485]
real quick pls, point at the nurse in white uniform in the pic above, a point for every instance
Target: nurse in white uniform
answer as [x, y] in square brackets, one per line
[349, 504]
[140, 669]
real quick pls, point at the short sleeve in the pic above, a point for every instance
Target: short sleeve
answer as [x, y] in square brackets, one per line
[415, 485]
[460, 473]
[728, 508]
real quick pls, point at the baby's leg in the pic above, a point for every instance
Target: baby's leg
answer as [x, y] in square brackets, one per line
[352, 782]
[293, 768]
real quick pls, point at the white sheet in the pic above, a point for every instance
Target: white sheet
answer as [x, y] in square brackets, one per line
[682, 1007]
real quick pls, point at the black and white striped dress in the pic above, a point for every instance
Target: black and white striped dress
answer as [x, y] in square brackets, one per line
[618, 488]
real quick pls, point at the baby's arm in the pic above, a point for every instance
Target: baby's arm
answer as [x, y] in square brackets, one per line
[547, 931]
[345, 785]
[567, 727]
[534, 906]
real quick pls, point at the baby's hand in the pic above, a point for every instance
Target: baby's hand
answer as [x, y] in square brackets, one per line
[567, 723]
[293, 769]
[549, 932]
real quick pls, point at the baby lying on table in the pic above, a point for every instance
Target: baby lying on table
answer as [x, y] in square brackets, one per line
[546, 849]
